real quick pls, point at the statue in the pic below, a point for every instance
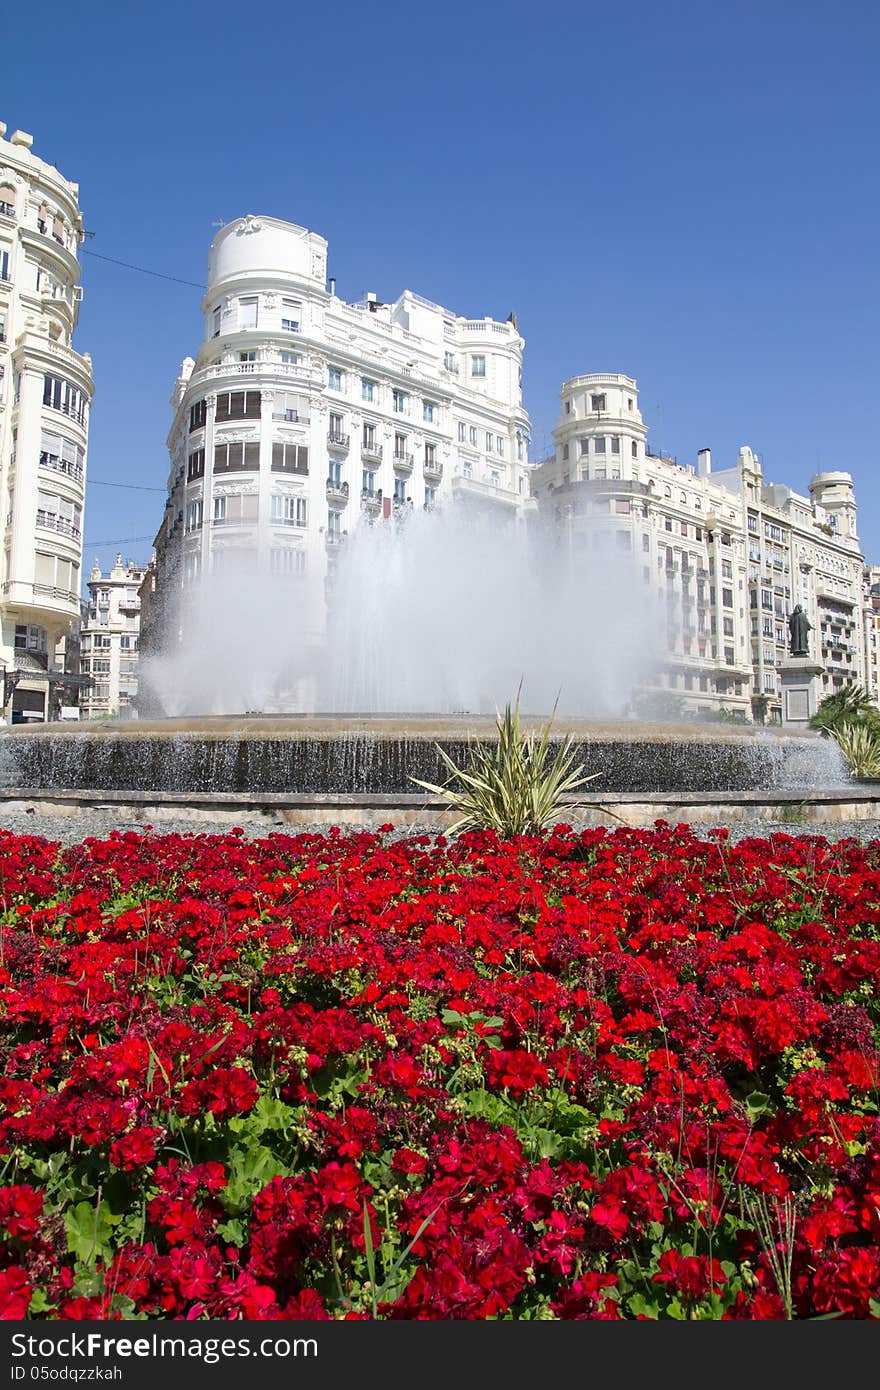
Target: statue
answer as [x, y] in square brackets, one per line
[798, 626]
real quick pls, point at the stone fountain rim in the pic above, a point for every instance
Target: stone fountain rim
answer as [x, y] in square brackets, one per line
[414, 727]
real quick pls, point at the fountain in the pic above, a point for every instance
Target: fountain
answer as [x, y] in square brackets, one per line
[432, 626]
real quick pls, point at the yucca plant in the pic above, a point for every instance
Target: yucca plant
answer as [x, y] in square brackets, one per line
[516, 785]
[860, 746]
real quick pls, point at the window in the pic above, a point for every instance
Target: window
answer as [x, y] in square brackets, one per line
[56, 513]
[462, 432]
[429, 412]
[599, 444]
[635, 449]
[248, 361]
[615, 443]
[565, 451]
[400, 402]
[238, 405]
[216, 322]
[287, 560]
[430, 455]
[197, 415]
[61, 455]
[334, 378]
[490, 444]
[334, 473]
[472, 436]
[290, 458]
[430, 495]
[291, 313]
[568, 407]
[4, 265]
[369, 441]
[597, 402]
[30, 638]
[59, 394]
[247, 311]
[368, 389]
[194, 514]
[7, 199]
[449, 362]
[367, 482]
[236, 458]
[494, 477]
[219, 509]
[727, 626]
[290, 359]
[400, 489]
[646, 543]
[478, 364]
[400, 446]
[726, 569]
[667, 523]
[727, 598]
[290, 511]
[195, 465]
[467, 470]
[729, 657]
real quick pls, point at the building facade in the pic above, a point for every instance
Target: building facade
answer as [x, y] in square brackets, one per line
[109, 641]
[303, 415]
[46, 389]
[727, 554]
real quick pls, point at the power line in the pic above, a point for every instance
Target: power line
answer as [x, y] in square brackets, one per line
[143, 270]
[117, 540]
[135, 487]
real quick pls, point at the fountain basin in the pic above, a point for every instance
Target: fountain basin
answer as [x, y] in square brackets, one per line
[370, 755]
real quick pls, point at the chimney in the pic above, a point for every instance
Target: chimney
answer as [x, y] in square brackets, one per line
[332, 284]
[704, 462]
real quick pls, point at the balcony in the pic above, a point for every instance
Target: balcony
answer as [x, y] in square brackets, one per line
[50, 521]
[336, 492]
[371, 454]
[333, 539]
[403, 464]
[69, 469]
[371, 502]
[432, 468]
[340, 442]
[129, 603]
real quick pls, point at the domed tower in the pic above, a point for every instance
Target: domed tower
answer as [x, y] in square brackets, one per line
[833, 495]
[600, 431]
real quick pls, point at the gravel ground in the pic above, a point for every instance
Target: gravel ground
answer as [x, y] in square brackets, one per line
[73, 829]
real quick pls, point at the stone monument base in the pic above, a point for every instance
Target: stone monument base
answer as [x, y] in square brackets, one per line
[800, 691]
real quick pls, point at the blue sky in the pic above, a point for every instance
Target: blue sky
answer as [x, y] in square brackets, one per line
[684, 192]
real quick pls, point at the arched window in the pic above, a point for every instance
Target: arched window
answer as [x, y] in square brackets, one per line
[7, 199]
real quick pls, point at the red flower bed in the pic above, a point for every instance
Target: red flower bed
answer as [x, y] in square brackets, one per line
[598, 1075]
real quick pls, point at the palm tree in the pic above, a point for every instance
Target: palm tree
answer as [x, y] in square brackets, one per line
[851, 705]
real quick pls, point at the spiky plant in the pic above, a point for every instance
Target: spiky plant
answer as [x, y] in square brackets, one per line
[516, 785]
[860, 746]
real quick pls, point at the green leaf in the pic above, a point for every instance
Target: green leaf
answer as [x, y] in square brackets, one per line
[89, 1227]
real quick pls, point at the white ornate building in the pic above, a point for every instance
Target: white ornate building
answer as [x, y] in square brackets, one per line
[45, 393]
[303, 415]
[109, 641]
[728, 553]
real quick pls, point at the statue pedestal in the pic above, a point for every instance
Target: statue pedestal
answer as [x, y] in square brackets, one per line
[800, 691]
